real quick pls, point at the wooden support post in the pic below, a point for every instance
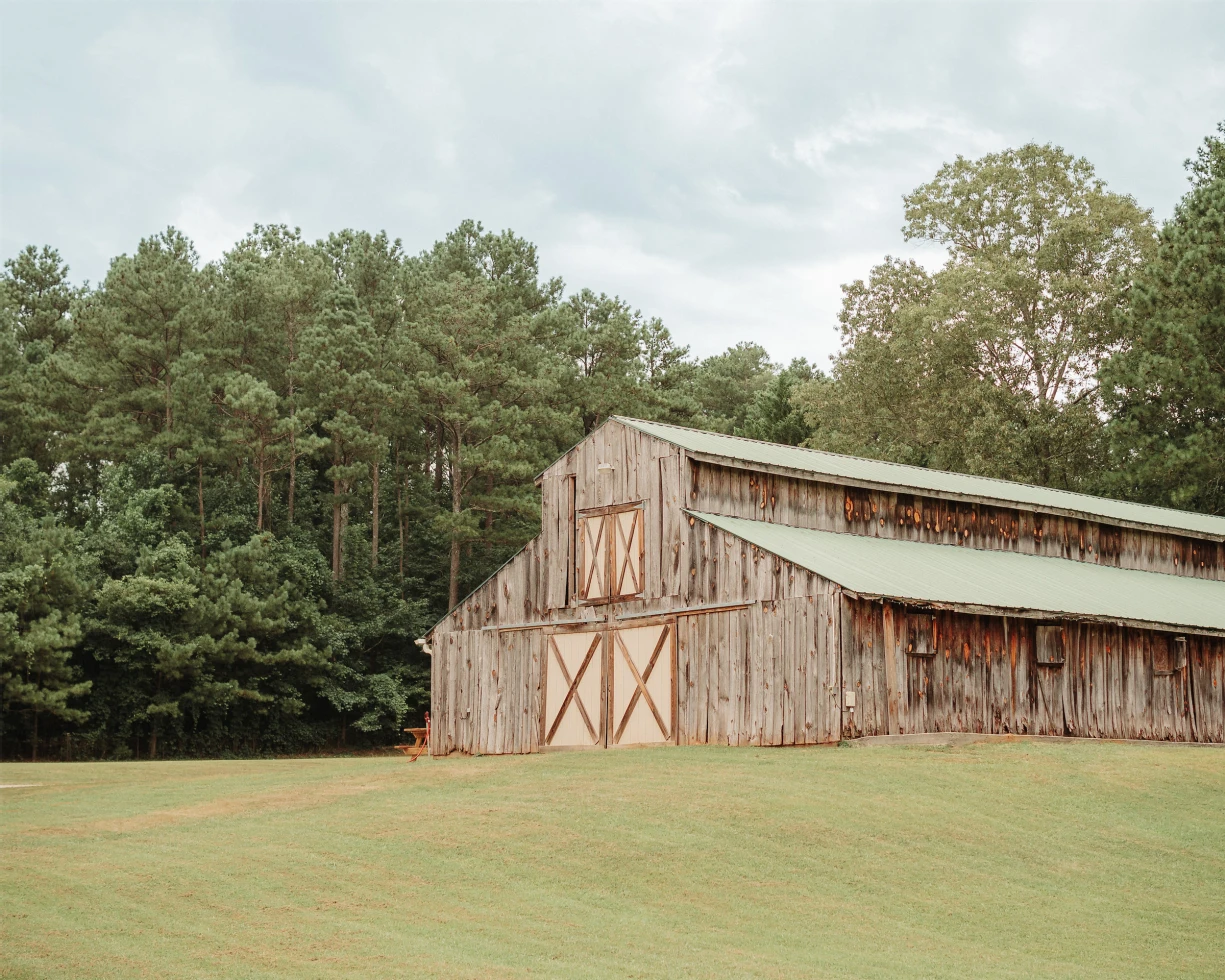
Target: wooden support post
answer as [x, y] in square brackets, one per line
[893, 676]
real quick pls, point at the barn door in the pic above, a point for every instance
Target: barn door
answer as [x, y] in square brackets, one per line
[573, 690]
[641, 696]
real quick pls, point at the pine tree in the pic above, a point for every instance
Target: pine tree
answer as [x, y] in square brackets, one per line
[279, 282]
[43, 584]
[491, 387]
[1166, 389]
[340, 354]
[129, 338]
[35, 297]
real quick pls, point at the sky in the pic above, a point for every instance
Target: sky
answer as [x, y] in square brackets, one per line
[723, 167]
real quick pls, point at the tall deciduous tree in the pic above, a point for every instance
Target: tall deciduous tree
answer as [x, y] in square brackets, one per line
[1010, 332]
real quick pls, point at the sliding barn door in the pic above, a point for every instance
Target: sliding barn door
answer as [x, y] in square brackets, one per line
[642, 685]
[574, 689]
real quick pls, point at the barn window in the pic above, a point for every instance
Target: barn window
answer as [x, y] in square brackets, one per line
[610, 551]
[1169, 654]
[1180, 652]
[920, 636]
[1048, 647]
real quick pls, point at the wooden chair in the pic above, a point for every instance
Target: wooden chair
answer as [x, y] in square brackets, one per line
[420, 743]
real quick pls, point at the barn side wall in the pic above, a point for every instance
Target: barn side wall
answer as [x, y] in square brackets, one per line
[983, 677]
[485, 691]
[766, 674]
[828, 506]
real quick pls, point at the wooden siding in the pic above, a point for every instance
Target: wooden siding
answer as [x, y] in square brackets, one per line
[983, 676]
[485, 690]
[757, 495]
[763, 675]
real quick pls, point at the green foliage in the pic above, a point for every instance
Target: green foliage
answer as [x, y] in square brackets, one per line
[35, 298]
[726, 385]
[491, 389]
[215, 450]
[774, 415]
[989, 365]
[600, 335]
[43, 584]
[134, 341]
[1209, 162]
[1166, 389]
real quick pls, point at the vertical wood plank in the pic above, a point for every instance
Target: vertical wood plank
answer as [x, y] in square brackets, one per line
[892, 680]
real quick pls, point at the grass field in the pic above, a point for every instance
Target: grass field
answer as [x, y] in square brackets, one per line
[1001, 860]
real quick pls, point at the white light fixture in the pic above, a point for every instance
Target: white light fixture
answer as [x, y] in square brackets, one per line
[604, 468]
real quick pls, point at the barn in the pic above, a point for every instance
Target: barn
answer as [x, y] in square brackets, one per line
[689, 587]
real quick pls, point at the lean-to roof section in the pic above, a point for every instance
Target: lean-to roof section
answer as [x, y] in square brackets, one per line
[878, 474]
[989, 581]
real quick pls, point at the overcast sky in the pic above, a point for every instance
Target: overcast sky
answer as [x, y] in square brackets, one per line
[722, 167]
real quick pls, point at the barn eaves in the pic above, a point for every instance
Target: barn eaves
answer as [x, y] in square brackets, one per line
[876, 474]
[972, 580]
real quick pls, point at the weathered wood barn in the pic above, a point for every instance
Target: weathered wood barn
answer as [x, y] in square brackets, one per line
[690, 587]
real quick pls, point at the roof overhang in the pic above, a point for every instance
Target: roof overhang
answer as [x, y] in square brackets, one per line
[999, 583]
[875, 474]
[977, 500]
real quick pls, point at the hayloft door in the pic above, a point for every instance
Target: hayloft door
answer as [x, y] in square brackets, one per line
[642, 685]
[574, 689]
[611, 553]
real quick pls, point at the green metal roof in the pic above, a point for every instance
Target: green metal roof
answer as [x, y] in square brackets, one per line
[953, 575]
[917, 478]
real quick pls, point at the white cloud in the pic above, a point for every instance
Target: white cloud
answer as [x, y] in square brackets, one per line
[877, 125]
[791, 308]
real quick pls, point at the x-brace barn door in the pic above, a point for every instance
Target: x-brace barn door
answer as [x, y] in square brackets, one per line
[610, 687]
[642, 681]
[627, 551]
[610, 551]
[574, 689]
[593, 553]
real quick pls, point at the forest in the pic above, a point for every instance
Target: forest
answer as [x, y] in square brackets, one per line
[233, 494]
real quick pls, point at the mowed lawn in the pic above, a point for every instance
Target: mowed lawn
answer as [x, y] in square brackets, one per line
[1000, 860]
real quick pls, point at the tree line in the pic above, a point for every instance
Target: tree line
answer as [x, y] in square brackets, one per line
[232, 494]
